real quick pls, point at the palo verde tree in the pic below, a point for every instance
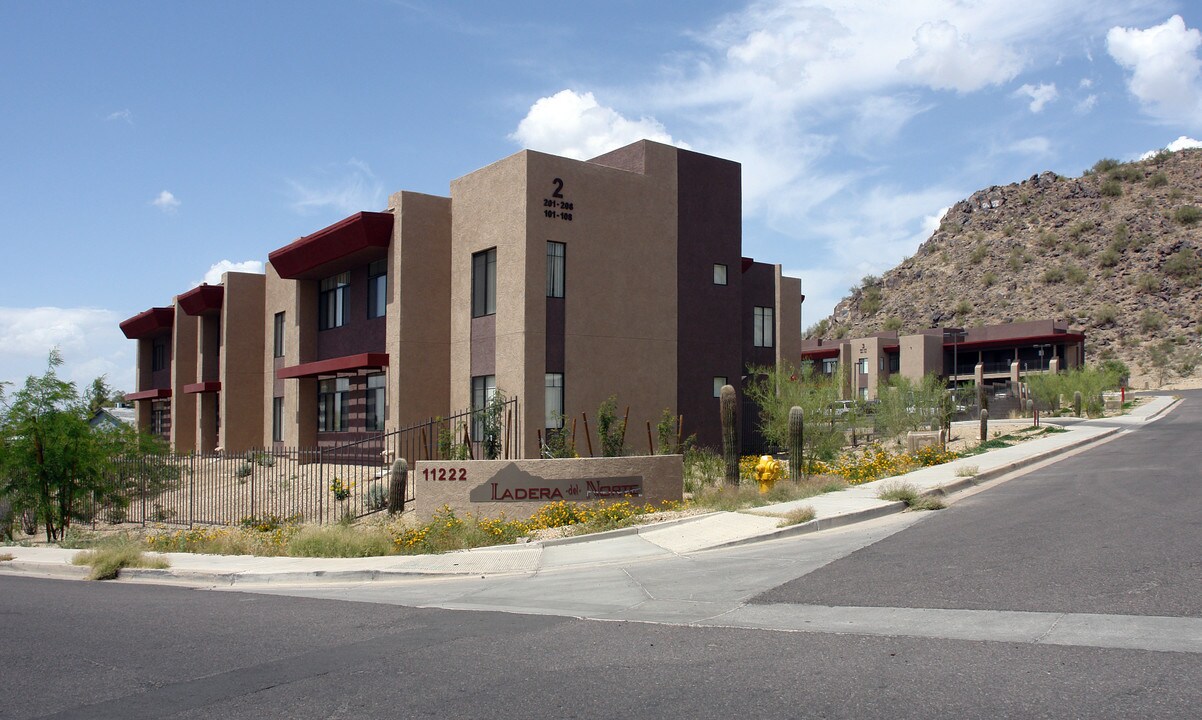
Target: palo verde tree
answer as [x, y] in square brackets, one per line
[51, 461]
[777, 390]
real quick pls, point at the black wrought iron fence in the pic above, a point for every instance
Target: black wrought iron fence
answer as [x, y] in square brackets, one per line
[316, 485]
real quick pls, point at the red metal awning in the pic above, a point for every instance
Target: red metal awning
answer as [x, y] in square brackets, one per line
[203, 387]
[149, 322]
[346, 363]
[152, 394]
[1054, 338]
[202, 299]
[348, 242]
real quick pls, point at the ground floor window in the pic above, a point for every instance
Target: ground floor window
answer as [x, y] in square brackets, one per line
[553, 401]
[483, 388]
[376, 402]
[277, 419]
[160, 418]
[333, 408]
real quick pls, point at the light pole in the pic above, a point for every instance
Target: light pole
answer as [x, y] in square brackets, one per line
[956, 335]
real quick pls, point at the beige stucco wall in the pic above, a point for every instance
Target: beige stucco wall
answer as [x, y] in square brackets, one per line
[788, 320]
[183, 372]
[419, 309]
[661, 479]
[489, 211]
[300, 427]
[242, 377]
[920, 354]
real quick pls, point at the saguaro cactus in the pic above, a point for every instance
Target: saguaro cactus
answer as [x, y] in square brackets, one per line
[730, 434]
[984, 425]
[1077, 403]
[796, 436]
[398, 480]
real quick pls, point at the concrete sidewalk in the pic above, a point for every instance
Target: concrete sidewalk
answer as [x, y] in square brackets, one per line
[680, 537]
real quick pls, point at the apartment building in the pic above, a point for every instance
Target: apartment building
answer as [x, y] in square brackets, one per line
[556, 281]
[993, 355]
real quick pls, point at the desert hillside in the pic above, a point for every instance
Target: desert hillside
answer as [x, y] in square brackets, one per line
[1115, 252]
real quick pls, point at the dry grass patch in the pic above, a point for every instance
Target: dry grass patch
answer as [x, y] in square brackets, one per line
[5, 557]
[910, 495]
[797, 517]
[110, 556]
[746, 495]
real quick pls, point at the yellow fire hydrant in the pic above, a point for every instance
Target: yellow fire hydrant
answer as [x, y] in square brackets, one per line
[767, 472]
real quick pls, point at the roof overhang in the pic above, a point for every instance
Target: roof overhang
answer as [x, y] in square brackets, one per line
[202, 300]
[346, 363]
[1054, 339]
[203, 387]
[820, 354]
[152, 394]
[149, 322]
[352, 241]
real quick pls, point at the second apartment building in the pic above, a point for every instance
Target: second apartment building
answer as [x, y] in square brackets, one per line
[556, 281]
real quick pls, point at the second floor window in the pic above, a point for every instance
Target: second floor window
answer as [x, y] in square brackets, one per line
[277, 342]
[377, 288]
[484, 283]
[764, 327]
[332, 301]
[556, 252]
[158, 354]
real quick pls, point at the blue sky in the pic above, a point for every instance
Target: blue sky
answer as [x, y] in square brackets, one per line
[147, 145]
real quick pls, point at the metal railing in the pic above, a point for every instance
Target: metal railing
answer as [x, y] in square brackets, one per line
[315, 485]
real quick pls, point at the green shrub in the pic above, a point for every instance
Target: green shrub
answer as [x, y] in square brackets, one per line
[1047, 240]
[989, 279]
[1147, 283]
[1106, 314]
[1108, 258]
[978, 254]
[109, 556]
[1129, 172]
[1158, 180]
[962, 308]
[893, 322]
[1150, 321]
[610, 430]
[1075, 275]
[1111, 188]
[1104, 166]
[1053, 275]
[1182, 264]
[1187, 214]
[871, 300]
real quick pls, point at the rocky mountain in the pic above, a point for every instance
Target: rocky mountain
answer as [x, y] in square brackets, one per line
[1115, 252]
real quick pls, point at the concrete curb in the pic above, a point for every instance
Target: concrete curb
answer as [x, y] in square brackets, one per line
[620, 532]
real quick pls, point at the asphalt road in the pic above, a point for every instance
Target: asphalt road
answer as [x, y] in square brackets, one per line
[80, 650]
[1114, 530]
[1072, 591]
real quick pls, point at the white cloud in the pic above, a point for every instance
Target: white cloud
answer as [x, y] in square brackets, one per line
[123, 115]
[346, 188]
[1166, 73]
[1087, 105]
[165, 202]
[575, 125]
[89, 338]
[213, 275]
[944, 59]
[1040, 95]
[1085, 84]
[1181, 143]
[1037, 145]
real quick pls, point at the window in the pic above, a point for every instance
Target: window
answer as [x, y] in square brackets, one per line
[862, 366]
[764, 327]
[718, 383]
[484, 283]
[158, 354]
[332, 406]
[277, 419]
[376, 403]
[863, 392]
[553, 401]
[158, 418]
[555, 270]
[719, 274]
[829, 365]
[483, 388]
[331, 302]
[377, 288]
[277, 345]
